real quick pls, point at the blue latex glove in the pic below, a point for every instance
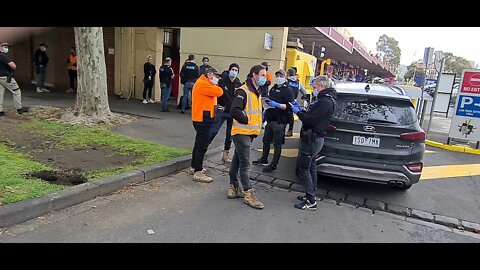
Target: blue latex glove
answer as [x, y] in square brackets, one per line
[273, 104]
[295, 107]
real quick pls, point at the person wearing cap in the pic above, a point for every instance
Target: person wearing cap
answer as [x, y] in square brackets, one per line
[188, 75]
[40, 60]
[279, 97]
[247, 125]
[228, 85]
[149, 72]
[166, 77]
[7, 67]
[314, 123]
[72, 69]
[205, 65]
[297, 87]
[204, 106]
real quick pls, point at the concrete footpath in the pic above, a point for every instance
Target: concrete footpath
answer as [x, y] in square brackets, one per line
[172, 129]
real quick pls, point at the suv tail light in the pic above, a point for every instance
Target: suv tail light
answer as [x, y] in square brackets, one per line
[418, 136]
[416, 168]
[331, 128]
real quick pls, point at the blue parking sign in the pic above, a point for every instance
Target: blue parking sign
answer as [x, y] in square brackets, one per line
[468, 106]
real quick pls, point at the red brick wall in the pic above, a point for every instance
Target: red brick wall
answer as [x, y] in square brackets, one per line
[109, 42]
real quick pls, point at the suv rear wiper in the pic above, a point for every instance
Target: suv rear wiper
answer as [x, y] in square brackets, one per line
[381, 121]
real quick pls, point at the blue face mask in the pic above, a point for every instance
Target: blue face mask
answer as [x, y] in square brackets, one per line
[233, 74]
[261, 81]
[315, 92]
[5, 50]
[205, 63]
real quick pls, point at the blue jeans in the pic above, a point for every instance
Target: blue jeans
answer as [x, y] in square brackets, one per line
[187, 90]
[165, 95]
[219, 119]
[306, 164]
[41, 77]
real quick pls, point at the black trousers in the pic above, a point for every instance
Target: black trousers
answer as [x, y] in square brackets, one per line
[72, 74]
[202, 141]
[147, 89]
[291, 120]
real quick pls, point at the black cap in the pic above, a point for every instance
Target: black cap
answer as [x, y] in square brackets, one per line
[42, 44]
[5, 44]
[234, 65]
[265, 64]
[213, 70]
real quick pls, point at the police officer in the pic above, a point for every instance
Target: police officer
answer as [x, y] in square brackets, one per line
[297, 87]
[279, 97]
[314, 122]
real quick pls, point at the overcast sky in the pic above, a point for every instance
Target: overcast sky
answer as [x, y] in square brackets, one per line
[461, 41]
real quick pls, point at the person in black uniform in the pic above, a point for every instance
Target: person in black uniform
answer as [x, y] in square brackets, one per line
[314, 122]
[280, 95]
[149, 72]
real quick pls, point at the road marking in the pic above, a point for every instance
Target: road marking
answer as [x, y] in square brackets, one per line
[285, 152]
[449, 171]
[429, 152]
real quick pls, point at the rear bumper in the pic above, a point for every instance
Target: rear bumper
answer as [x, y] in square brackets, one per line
[365, 171]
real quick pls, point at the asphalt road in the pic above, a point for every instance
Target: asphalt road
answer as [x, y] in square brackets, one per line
[177, 209]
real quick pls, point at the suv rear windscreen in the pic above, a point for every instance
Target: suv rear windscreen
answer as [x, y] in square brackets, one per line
[362, 109]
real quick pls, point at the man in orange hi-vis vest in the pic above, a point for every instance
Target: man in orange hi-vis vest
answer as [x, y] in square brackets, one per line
[72, 69]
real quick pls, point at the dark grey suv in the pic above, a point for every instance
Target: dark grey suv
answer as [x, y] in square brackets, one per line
[374, 136]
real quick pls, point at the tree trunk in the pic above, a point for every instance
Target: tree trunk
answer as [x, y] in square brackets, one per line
[92, 98]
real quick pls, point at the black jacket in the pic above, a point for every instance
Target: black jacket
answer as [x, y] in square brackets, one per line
[189, 72]
[166, 73]
[40, 58]
[228, 88]
[149, 70]
[240, 101]
[319, 112]
[282, 95]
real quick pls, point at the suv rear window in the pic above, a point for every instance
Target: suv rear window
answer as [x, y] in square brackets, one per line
[362, 109]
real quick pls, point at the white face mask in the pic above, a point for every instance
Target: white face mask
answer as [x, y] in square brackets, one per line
[315, 92]
[280, 81]
[5, 50]
[214, 80]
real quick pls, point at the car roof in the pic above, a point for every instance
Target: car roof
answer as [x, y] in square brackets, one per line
[373, 89]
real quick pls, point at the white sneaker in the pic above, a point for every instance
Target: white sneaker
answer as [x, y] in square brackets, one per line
[151, 101]
[45, 90]
[39, 90]
[69, 90]
[145, 101]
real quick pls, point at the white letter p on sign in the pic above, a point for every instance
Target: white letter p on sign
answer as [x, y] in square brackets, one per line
[466, 101]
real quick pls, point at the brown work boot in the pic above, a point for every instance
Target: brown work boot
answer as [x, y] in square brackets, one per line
[225, 157]
[200, 176]
[191, 170]
[252, 200]
[235, 192]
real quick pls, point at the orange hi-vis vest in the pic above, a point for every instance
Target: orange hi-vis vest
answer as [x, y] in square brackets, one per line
[73, 60]
[253, 110]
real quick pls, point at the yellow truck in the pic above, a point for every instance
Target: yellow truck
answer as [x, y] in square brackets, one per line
[305, 64]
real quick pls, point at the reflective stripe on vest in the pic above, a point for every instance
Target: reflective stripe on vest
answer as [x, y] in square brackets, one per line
[253, 110]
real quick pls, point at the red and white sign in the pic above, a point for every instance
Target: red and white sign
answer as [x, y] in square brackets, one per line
[471, 82]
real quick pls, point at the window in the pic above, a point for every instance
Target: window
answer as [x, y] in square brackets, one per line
[359, 109]
[167, 37]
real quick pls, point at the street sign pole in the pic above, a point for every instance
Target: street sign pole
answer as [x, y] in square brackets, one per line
[432, 110]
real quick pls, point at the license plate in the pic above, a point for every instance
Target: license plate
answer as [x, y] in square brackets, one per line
[366, 141]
